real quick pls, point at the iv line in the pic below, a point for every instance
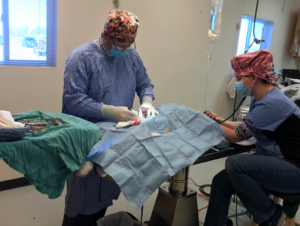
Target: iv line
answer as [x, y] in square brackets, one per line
[207, 73]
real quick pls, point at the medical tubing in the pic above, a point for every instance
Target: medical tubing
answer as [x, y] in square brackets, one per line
[242, 101]
[255, 18]
[207, 73]
[253, 27]
[201, 189]
[142, 210]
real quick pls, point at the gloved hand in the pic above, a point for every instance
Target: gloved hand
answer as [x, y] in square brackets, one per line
[147, 107]
[123, 114]
[213, 116]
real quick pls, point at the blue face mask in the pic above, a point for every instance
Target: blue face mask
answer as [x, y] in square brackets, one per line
[240, 88]
[118, 54]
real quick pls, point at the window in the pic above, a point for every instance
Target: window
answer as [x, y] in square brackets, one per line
[28, 32]
[263, 31]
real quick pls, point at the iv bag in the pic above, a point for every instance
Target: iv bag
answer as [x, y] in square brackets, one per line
[215, 19]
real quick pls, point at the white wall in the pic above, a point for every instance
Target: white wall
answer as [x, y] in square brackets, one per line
[172, 41]
[283, 30]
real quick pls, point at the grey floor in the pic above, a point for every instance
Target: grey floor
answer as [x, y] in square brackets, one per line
[26, 206]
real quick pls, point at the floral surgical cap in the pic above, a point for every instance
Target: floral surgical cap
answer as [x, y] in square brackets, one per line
[258, 62]
[122, 25]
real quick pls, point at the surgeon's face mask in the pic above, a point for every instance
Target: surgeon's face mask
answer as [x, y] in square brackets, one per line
[118, 53]
[240, 88]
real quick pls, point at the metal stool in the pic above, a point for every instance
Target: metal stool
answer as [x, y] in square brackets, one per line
[291, 204]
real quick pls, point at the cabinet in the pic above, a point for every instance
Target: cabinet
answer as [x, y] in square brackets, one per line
[296, 42]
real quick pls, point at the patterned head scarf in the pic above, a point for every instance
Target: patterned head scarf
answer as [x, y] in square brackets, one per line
[122, 25]
[259, 63]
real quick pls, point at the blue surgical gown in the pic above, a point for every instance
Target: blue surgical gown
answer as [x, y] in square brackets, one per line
[92, 79]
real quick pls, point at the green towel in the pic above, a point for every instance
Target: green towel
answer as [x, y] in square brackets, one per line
[294, 98]
[48, 159]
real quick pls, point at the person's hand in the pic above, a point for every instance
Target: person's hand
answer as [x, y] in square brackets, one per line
[123, 114]
[147, 108]
[102, 174]
[213, 116]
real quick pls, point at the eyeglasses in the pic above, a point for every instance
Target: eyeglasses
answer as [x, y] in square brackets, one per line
[122, 41]
[240, 78]
[121, 49]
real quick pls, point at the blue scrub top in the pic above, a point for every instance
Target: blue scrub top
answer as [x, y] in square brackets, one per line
[267, 114]
[92, 79]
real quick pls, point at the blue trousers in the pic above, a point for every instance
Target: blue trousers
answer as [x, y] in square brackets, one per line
[249, 176]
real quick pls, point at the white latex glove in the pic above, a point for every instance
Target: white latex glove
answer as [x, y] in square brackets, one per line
[123, 114]
[147, 107]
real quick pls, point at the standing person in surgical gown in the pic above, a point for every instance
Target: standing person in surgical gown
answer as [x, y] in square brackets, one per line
[100, 81]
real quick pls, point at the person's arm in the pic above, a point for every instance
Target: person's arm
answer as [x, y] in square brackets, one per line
[231, 134]
[144, 88]
[229, 124]
[244, 132]
[120, 114]
[147, 108]
[102, 174]
[217, 118]
[234, 132]
[77, 84]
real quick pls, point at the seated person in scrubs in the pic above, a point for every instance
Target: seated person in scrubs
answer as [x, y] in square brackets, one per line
[274, 121]
[100, 82]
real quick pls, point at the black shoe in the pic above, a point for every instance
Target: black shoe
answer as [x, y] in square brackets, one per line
[277, 219]
[229, 222]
